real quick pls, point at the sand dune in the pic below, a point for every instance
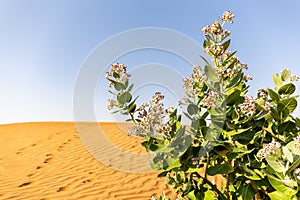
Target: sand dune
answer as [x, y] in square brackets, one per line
[49, 161]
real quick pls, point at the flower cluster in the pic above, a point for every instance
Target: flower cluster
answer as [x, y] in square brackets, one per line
[247, 108]
[216, 46]
[193, 84]
[267, 107]
[152, 118]
[269, 149]
[117, 73]
[294, 77]
[215, 28]
[111, 103]
[262, 93]
[136, 130]
[247, 78]
[215, 49]
[227, 17]
[209, 100]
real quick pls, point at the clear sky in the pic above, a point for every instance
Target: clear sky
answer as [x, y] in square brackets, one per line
[43, 45]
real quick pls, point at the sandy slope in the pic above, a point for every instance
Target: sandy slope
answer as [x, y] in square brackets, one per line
[49, 161]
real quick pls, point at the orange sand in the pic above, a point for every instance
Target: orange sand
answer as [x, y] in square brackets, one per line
[49, 161]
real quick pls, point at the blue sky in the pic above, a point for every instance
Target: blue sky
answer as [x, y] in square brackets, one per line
[43, 45]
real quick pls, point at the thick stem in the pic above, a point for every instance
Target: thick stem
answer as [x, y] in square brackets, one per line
[213, 186]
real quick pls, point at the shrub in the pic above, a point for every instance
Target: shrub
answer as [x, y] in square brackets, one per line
[253, 143]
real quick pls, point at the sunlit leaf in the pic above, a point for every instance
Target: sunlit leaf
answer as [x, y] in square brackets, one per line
[211, 73]
[285, 74]
[277, 80]
[287, 89]
[287, 105]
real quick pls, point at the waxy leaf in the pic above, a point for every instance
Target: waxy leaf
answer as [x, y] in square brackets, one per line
[124, 98]
[292, 147]
[285, 74]
[211, 73]
[287, 154]
[219, 169]
[294, 165]
[235, 132]
[281, 187]
[274, 95]
[278, 196]
[246, 192]
[119, 86]
[287, 105]
[192, 109]
[204, 59]
[233, 98]
[287, 89]
[226, 45]
[277, 80]
[275, 164]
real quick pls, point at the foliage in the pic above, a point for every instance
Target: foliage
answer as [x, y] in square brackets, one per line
[253, 143]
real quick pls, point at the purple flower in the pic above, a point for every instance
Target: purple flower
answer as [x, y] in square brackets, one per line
[269, 149]
[247, 108]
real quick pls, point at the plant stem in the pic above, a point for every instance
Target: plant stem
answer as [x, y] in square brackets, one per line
[213, 186]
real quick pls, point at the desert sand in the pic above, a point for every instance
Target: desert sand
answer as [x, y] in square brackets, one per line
[49, 161]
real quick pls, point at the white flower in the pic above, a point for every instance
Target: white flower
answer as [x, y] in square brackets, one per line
[153, 198]
[227, 17]
[247, 108]
[110, 104]
[294, 77]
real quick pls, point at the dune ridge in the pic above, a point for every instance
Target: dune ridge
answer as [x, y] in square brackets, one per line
[47, 160]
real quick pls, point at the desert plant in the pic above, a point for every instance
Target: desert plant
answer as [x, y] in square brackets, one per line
[253, 143]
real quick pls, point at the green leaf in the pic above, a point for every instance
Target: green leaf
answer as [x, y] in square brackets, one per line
[294, 165]
[233, 97]
[219, 169]
[124, 98]
[209, 195]
[246, 192]
[277, 80]
[211, 73]
[235, 132]
[228, 59]
[191, 195]
[192, 109]
[281, 187]
[287, 89]
[275, 114]
[292, 148]
[119, 86]
[285, 74]
[276, 195]
[131, 107]
[275, 164]
[205, 44]
[226, 45]
[287, 154]
[274, 95]
[286, 126]
[130, 88]
[205, 60]
[245, 137]
[173, 164]
[236, 80]
[126, 84]
[287, 105]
